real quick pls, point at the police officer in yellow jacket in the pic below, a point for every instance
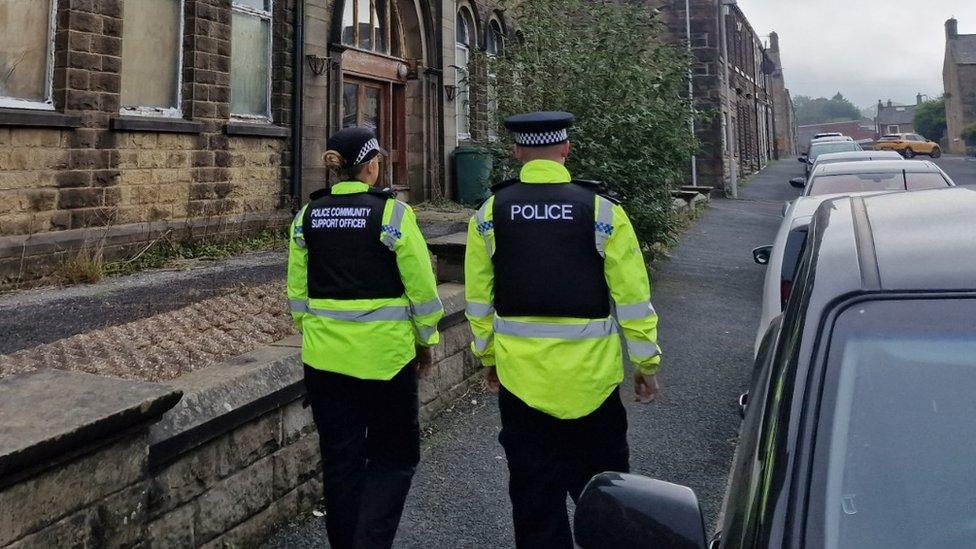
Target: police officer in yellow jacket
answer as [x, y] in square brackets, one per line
[558, 301]
[363, 293]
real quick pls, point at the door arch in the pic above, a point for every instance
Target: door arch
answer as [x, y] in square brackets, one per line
[381, 81]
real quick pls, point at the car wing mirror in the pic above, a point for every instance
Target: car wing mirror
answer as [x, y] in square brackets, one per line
[622, 511]
[798, 182]
[761, 254]
[786, 207]
[802, 159]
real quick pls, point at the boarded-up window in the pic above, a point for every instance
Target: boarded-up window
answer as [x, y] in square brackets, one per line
[25, 52]
[152, 46]
[250, 59]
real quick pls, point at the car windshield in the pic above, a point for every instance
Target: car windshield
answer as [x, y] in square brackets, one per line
[897, 433]
[832, 147]
[869, 182]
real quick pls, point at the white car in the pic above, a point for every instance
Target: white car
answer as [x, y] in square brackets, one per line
[856, 156]
[876, 175]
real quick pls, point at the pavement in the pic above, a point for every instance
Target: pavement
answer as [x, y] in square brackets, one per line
[707, 294]
[962, 169]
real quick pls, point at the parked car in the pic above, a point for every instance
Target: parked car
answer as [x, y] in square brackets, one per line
[908, 145]
[819, 148]
[828, 134]
[856, 156]
[878, 175]
[858, 427]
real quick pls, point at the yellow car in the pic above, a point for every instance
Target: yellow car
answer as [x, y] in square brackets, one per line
[909, 145]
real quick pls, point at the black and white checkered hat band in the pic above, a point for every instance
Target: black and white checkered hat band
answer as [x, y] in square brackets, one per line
[541, 139]
[370, 146]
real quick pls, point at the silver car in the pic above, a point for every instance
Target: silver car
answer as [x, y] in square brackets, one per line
[876, 176]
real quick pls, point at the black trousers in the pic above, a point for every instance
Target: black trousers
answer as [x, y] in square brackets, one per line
[370, 439]
[549, 458]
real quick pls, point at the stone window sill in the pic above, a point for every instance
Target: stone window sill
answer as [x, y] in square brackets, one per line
[256, 130]
[25, 118]
[154, 124]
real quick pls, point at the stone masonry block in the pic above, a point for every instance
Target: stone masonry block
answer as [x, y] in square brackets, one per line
[296, 422]
[453, 340]
[233, 500]
[451, 372]
[174, 529]
[295, 464]
[39, 501]
[183, 480]
[248, 443]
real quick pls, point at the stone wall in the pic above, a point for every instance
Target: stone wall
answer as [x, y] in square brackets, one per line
[233, 459]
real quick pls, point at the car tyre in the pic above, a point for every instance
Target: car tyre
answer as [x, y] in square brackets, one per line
[909, 153]
[936, 153]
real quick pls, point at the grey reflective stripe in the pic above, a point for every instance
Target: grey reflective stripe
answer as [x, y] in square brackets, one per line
[392, 230]
[426, 308]
[479, 310]
[425, 333]
[480, 218]
[480, 345]
[603, 227]
[300, 242]
[636, 311]
[641, 349]
[592, 329]
[298, 305]
[375, 315]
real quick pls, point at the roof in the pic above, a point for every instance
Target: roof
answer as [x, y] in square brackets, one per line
[878, 166]
[857, 155]
[898, 241]
[964, 49]
[896, 114]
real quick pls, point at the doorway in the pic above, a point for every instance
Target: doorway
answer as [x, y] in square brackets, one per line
[376, 105]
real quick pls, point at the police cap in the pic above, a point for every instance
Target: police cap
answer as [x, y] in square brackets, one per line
[540, 129]
[355, 145]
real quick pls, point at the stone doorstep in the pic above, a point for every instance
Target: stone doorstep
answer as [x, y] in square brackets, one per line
[222, 397]
[51, 242]
[37, 430]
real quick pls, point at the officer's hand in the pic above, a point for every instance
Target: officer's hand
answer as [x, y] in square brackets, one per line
[646, 388]
[491, 378]
[424, 362]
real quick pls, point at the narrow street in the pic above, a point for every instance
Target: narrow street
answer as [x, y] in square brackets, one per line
[708, 298]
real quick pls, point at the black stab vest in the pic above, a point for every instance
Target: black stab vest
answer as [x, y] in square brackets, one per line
[346, 259]
[546, 261]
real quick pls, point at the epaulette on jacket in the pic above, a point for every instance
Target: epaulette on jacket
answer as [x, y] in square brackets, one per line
[385, 193]
[599, 188]
[507, 183]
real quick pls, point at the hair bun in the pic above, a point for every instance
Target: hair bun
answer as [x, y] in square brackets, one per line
[333, 160]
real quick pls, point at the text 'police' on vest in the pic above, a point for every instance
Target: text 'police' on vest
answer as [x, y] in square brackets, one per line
[350, 217]
[542, 212]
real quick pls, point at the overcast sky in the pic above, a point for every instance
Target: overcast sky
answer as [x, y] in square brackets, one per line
[865, 49]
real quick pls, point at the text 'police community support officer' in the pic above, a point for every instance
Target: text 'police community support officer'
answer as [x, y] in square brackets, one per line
[558, 300]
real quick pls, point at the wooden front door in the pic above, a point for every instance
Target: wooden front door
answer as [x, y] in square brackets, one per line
[373, 104]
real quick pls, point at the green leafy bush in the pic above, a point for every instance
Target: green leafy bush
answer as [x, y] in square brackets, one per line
[603, 62]
[930, 119]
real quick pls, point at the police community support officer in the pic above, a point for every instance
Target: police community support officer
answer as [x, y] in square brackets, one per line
[558, 297]
[363, 293]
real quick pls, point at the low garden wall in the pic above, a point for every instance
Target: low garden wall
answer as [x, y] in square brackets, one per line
[218, 457]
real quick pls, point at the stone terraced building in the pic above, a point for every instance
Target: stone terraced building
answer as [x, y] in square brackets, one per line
[959, 75]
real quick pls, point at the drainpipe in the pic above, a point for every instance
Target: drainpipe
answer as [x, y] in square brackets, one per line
[298, 101]
[691, 93]
[733, 188]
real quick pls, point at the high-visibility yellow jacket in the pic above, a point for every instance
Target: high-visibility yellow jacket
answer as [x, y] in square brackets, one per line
[565, 367]
[368, 338]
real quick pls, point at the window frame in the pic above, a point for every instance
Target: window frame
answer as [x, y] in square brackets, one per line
[264, 15]
[162, 112]
[463, 73]
[48, 103]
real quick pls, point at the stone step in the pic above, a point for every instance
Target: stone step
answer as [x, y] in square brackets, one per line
[449, 251]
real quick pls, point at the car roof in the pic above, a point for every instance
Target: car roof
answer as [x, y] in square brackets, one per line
[878, 166]
[897, 241]
[831, 139]
[858, 154]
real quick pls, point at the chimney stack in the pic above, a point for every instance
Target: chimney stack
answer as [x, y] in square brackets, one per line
[889, 102]
[918, 99]
[952, 29]
[774, 42]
